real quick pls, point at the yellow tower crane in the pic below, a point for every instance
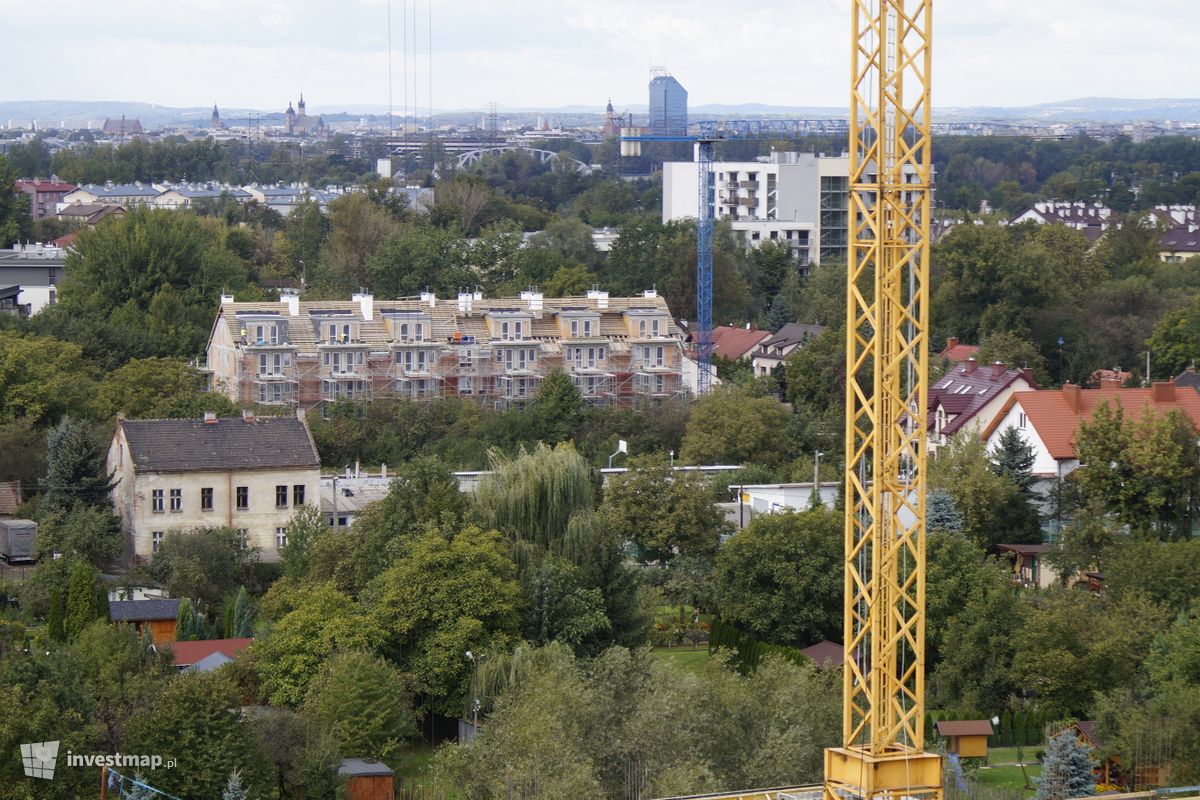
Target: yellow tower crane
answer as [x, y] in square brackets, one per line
[887, 337]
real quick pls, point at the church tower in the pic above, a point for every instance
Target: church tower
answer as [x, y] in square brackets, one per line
[611, 128]
[290, 116]
[215, 123]
[300, 105]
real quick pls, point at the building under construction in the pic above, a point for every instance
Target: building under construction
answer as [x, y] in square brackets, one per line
[622, 352]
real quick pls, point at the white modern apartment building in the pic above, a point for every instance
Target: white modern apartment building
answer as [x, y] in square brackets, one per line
[801, 199]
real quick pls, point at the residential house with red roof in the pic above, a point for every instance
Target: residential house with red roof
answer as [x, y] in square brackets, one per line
[1049, 420]
[736, 343]
[44, 195]
[956, 352]
[207, 654]
[969, 396]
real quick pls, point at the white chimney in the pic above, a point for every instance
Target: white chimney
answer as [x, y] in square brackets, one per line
[430, 298]
[210, 418]
[535, 299]
[292, 298]
[226, 299]
[247, 415]
[464, 302]
[367, 303]
[650, 293]
[600, 297]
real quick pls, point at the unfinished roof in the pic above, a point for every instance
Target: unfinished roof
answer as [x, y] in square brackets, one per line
[193, 445]
[964, 727]
[1057, 413]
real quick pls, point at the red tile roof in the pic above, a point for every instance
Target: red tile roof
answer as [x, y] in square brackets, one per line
[964, 727]
[731, 342]
[956, 351]
[1056, 413]
[187, 653]
[66, 241]
[45, 186]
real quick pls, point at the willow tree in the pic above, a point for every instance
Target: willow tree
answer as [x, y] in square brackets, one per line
[532, 497]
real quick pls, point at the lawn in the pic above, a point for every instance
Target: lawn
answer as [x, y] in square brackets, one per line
[685, 658]
[1008, 755]
[414, 774]
[1008, 777]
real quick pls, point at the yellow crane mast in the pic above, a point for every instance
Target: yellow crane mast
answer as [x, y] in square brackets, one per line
[887, 337]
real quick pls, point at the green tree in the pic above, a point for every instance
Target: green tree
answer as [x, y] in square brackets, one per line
[941, 513]
[159, 388]
[993, 509]
[197, 713]
[1166, 572]
[302, 530]
[955, 568]
[1013, 459]
[81, 599]
[780, 577]
[1066, 768]
[205, 564]
[531, 498]
[1016, 353]
[23, 457]
[446, 595]
[42, 379]
[365, 702]
[557, 408]
[1175, 343]
[190, 625]
[662, 512]
[76, 474]
[1175, 653]
[56, 623]
[311, 623]
[731, 427]
[234, 790]
[561, 609]
[14, 206]
[90, 533]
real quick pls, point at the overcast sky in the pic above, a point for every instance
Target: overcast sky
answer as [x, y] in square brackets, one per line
[547, 53]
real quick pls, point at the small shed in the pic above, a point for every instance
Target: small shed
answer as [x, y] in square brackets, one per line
[367, 779]
[1028, 569]
[968, 738]
[158, 615]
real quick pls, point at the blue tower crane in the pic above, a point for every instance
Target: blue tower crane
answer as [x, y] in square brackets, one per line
[702, 332]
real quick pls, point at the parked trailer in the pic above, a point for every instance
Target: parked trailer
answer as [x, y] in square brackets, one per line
[17, 538]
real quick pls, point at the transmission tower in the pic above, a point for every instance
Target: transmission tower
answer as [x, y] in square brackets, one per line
[887, 337]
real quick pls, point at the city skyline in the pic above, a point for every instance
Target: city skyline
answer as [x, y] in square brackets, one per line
[990, 52]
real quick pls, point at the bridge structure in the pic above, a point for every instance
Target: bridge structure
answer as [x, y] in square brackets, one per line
[466, 152]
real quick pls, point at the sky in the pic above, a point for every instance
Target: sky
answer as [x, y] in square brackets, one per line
[551, 53]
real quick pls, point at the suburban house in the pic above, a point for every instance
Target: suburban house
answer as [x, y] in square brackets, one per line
[208, 654]
[736, 343]
[1028, 569]
[1049, 419]
[1111, 774]
[957, 352]
[966, 738]
[44, 195]
[772, 352]
[90, 214]
[1188, 379]
[158, 616]
[969, 396]
[251, 474]
[36, 269]
[624, 352]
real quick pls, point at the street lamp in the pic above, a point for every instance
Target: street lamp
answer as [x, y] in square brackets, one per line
[1060, 368]
[816, 498]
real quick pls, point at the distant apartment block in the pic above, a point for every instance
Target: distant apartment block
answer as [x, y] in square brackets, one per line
[624, 352]
[1180, 224]
[36, 269]
[44, 195]
[801, 200]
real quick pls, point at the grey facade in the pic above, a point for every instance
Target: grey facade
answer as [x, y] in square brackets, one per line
[668, 106]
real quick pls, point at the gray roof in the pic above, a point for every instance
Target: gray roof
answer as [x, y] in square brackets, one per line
[143, 610]
[210, 662]
[357, 767]
[1189, 377]
[791, 334]
[192, 445]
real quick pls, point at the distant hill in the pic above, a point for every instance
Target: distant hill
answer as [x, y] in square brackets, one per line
[52, 113]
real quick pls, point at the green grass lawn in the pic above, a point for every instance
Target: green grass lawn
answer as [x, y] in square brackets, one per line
[1008, 755]
[684, 658]
[1008, 777]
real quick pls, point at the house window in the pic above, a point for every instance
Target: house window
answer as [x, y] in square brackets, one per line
[280, 538]
[177, 499]
[464, 357]
[343, 521]
[206, 498]
[156, 501]
[518, 333]
[243, 498]
[464, 385]
[1022, 420]
[156, 539]
[574, 328]
[587, 327]
[281, 496]
[298, 495]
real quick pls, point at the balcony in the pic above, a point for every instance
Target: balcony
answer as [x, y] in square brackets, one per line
[345, 389]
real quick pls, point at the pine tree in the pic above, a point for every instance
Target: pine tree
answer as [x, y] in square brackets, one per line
[1013, 459]
[234, 790]
[941, 512]
[81, 599]
[55, 619]
[1066, 768]
[557, 408]
[778, 314]
[75, 468]
[140, 792]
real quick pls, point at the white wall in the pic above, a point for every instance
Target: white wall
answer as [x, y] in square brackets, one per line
[1043, 463]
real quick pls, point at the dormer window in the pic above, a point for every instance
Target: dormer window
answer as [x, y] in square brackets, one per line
[337, 334]
[512, 330]
[581, 326]
[265, 333]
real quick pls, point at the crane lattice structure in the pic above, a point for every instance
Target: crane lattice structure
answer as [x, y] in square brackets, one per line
[709, 133]
[887, 337]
